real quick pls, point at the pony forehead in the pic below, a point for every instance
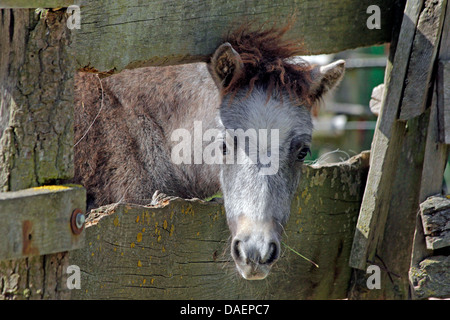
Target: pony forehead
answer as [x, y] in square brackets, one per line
[256, 112]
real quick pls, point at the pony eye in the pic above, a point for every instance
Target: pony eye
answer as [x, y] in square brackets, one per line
[303, 153]
[224, 148]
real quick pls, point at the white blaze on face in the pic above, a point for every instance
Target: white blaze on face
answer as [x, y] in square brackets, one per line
[265, 125]
[257, 188]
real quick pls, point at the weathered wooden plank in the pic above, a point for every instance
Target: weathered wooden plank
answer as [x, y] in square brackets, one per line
[431, 278]
[37, 221]
[443, 88]
[35, 3]
[421, 63]
[436, 153]
[124, 34]
[443, 93]
[435, 214]
[180, 250]
[395, 200]
[392, 251]
[35, 278]
[36, 85]
[385, 146]
[435, 160]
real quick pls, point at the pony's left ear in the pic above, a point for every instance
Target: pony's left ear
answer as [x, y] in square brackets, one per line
[225, 65]
[325, 78]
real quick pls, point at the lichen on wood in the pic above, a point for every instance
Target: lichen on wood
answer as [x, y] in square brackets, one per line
[435, 214]
[35, 278]
[36, 81]
[180, 249]
[37, 221]
[169, 32]
[431, 278]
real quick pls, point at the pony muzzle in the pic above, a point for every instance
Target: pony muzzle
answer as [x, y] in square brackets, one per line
[255, 248]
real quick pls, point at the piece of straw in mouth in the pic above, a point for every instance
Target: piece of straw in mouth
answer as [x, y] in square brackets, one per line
[297, 253]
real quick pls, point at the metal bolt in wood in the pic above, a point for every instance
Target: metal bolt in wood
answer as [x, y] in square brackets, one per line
[77, 221]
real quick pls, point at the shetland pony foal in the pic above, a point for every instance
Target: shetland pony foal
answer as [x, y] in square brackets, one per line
[251, 84]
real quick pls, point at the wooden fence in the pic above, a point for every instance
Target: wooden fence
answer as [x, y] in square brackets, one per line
[178, 250]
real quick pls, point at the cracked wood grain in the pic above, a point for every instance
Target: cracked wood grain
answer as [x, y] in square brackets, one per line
[170, 32]
[36, 81]
[180, 250]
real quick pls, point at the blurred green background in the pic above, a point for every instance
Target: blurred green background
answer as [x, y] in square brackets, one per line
[345, 124]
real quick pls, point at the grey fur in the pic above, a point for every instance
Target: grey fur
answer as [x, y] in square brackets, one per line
[258, 206]
[126, 153]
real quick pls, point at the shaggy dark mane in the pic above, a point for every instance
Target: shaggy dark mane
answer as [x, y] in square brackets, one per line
[265, 54]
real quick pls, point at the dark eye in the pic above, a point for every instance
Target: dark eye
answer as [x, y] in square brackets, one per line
[302, 153]
[224, 148]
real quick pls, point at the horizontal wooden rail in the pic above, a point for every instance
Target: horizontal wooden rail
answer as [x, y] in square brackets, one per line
[37, 221]
[124, 34]
[180, 249]
[35, 3]
[118, 34]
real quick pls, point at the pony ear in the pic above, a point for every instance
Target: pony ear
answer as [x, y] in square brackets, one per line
[226, 64]
[325, 78]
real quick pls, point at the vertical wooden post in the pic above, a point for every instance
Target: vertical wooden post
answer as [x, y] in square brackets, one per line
[385, 144]
[36, 82]
[386, 224]
[36, 131]
[436, 153]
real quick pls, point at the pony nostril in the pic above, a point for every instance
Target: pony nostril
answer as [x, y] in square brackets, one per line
[236, 253]
[272, 255]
